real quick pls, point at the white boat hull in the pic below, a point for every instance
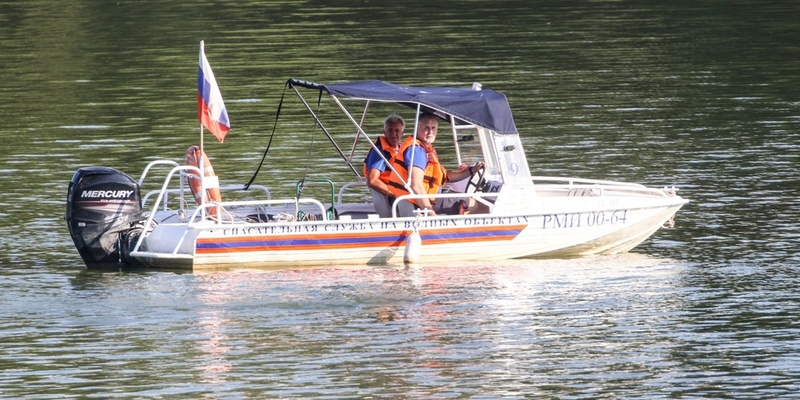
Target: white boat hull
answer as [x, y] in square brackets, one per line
[558, 233]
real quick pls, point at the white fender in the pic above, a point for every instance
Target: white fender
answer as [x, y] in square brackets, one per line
[413, 244]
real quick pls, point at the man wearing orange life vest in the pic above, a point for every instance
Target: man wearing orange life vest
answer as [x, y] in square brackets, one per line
[428, 174]
[375, 169]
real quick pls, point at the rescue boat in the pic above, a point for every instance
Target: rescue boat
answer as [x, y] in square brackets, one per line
[521, 216]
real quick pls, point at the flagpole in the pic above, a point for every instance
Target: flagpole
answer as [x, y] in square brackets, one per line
[202, 51]
[212, 113]
[202, 149]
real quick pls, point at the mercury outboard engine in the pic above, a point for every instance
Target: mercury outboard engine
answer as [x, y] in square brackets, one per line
[104, 216]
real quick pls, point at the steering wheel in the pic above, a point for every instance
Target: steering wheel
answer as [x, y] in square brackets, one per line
[476, 181]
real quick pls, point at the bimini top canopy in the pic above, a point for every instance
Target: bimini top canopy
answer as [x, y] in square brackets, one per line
[485, 108]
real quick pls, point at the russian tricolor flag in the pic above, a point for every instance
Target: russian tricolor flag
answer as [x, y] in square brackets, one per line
[210, 107]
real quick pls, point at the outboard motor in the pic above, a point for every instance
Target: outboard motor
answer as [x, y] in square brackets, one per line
[104, 216]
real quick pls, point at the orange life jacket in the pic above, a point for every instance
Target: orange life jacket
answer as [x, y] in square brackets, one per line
[435, 174]
[388, 153]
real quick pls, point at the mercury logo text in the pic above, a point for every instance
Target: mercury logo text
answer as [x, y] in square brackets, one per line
[107, 194]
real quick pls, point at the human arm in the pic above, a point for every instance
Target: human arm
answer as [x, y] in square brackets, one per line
[374, 165]
[464, 173]
[417, 184]
[374, 182]
[418, 187]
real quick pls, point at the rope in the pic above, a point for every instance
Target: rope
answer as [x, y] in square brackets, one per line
[274, 127]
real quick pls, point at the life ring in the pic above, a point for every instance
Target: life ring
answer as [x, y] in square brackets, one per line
[193, 158]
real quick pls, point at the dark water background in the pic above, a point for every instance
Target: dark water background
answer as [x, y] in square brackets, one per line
[704, 95]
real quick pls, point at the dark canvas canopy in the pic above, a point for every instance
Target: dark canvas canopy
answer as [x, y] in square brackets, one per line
[485, 108]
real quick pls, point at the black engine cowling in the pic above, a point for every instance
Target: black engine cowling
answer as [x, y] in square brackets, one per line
[104, 216]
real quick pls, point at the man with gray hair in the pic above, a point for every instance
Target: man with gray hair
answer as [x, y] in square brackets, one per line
[376, 170]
